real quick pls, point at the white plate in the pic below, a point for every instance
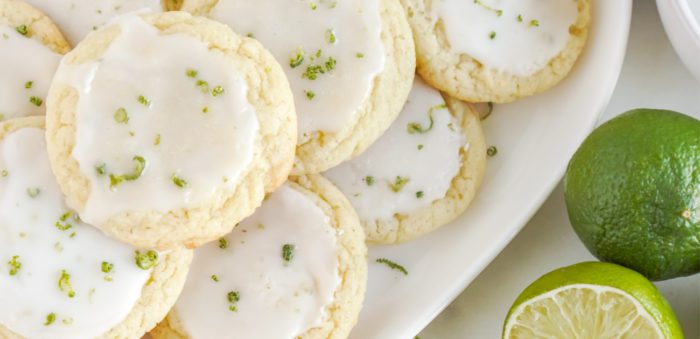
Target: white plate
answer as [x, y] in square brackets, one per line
[535, 139]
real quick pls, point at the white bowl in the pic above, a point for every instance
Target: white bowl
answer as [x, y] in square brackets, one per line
[682, 23]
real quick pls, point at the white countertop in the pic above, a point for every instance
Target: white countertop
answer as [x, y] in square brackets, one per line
[653, 77]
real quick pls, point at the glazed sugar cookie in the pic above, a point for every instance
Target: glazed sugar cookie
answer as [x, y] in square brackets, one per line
[497, 51]
[167, 129]
[61, 278]
[350, 65]
[297, 268]
[172, 5]
[77, 18]
[30, 49]
[421, 174]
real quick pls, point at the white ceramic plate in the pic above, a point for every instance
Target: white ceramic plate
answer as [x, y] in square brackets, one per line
[535, 139]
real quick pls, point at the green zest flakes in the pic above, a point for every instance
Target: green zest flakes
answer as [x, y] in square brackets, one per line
[146, 261]
[420, 147]
[179, 182]
[33, 192]
[359, 55]
[330, 64]
[101, 169]
[120, 116]
[492, 35]
[156, 141]
[489, 8]
[312, 72]
[143, 101]
[218, 90]
[22, 29]
[233, 297]
[310, 95]
[28, 84]
[520, 18]
[67, 321]
[61, 224]
[4, 173]
[492, 151]
[50, 318]
[36, 101]
[313, 6]
[223, 243]
[369, 180]
[107, 267]
[64, 284]
[287, 253]
[398, 184]
[139, 166]
[330, 36]
[203, 85]
[205, 109]
[215, 278]
[191, 73]
[420, 194]
[15, 265]
[534, 23]
[296, 60]
[392, 265]
[416, 127]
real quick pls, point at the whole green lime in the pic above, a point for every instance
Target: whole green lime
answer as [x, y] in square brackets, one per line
[633, 192]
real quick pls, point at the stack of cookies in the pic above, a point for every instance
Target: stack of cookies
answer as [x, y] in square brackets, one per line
[215, 168]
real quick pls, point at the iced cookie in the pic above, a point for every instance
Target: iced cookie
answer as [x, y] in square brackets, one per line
[30, 49]
[297, 268]
[497, 51]
[172, 5]
[168, 129]
[61, 278]
[421, 174]
[350, 65]
[77, 18]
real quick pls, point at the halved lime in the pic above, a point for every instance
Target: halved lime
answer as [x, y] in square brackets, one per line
[591, 300]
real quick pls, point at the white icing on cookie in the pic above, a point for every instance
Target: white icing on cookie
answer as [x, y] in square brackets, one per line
[278, 292]
[411, 165]
[514, 36]
[331, 52]
[27, 67]
[59, 278]
[77, 18]
[162, 123]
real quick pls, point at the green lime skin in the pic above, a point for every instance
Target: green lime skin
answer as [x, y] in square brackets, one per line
[610, 275]
[632, 192]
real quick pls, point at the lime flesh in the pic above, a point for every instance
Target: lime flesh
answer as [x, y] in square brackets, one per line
[591, 300]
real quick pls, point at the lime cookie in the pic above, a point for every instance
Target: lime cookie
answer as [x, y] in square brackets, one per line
[497, 51]
[61, 278]
[350, 65]
[77, 18]
[421, 174]
[304, 267]
[167, 129]
[31, 48]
